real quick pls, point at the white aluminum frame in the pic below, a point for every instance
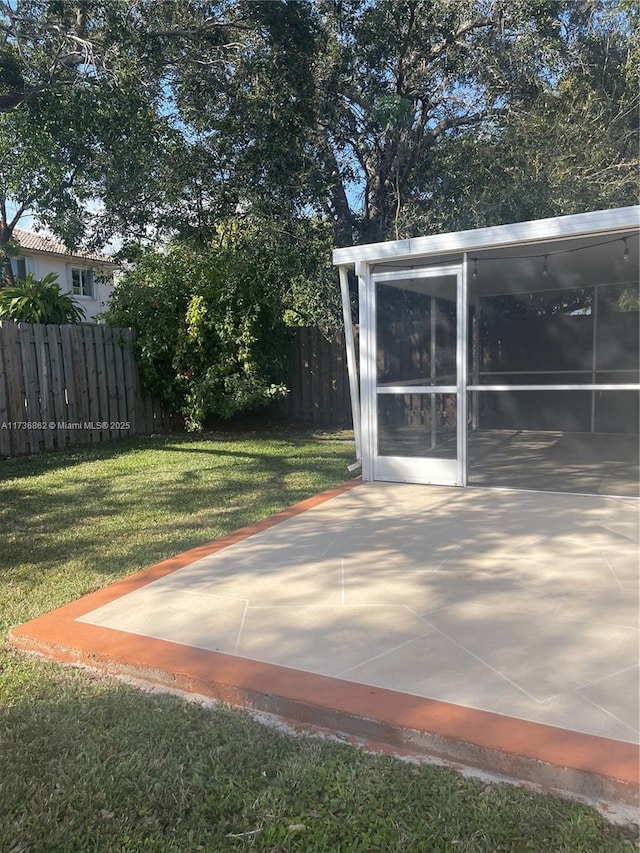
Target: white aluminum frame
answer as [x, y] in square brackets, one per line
[352, 370]
[399, 468]
[363, 273]
[586, 387]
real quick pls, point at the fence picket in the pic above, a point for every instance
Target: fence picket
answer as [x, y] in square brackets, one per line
[31, 384]
[130, 368]
[103, 414]
[121, 385]
[59, 413]
[89, 387]
[104, 339]
[45, 394]
[14, 383]
[75, 360]
[5, 429]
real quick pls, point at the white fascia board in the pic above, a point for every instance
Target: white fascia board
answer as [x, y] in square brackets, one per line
[576, 225]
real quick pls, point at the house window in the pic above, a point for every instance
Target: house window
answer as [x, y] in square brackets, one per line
[19, 267]
[82, 282]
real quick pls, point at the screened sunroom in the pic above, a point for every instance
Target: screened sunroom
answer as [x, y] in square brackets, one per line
[505, 356]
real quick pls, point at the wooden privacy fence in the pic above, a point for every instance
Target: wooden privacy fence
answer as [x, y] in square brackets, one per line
[68, 385]
[318, 381]
[71, 385]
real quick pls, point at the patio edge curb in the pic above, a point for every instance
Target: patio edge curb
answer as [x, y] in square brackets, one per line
[566, 762]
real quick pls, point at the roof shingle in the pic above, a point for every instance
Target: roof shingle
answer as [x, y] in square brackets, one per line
[36, 243]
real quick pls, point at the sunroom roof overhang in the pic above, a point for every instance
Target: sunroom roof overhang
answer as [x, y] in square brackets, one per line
[622, 219]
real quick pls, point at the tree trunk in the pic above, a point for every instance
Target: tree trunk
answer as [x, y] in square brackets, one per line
[7, 279]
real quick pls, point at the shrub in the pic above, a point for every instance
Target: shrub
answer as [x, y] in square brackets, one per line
[211, 339]
[35, 300]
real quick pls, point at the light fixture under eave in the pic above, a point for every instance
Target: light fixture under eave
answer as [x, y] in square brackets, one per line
[475, 268]
[625, 254]
[545, 270]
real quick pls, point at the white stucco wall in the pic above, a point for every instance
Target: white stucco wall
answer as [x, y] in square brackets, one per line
[41, 264]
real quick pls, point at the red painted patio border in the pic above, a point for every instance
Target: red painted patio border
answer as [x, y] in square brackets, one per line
[596, 767]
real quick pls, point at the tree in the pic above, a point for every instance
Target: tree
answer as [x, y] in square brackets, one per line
[82, 131]
[46, 45]
[574, 149]
[42, 44]
[83, 162]
[211, 336]
[368, 114]
[414, 75]
[332, 100]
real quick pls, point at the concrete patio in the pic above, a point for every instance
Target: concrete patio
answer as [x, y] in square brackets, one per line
[492, 628]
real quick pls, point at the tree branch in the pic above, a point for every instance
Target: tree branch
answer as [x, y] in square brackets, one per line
[339, 200]
[461, 121]
[463, 29]
[206, 26]
[16, 218]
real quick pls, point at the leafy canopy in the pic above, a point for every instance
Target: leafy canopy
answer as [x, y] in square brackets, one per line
[80, 122]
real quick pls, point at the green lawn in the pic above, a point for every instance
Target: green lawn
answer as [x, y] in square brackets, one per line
[91, 765]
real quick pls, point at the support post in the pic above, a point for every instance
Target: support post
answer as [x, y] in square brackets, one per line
[462, 344]
[475, 358]
[433, 309]
[594, 356]
[351, 359]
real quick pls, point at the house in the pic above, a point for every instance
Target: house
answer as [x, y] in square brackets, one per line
[504, 357]
[89, 277]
